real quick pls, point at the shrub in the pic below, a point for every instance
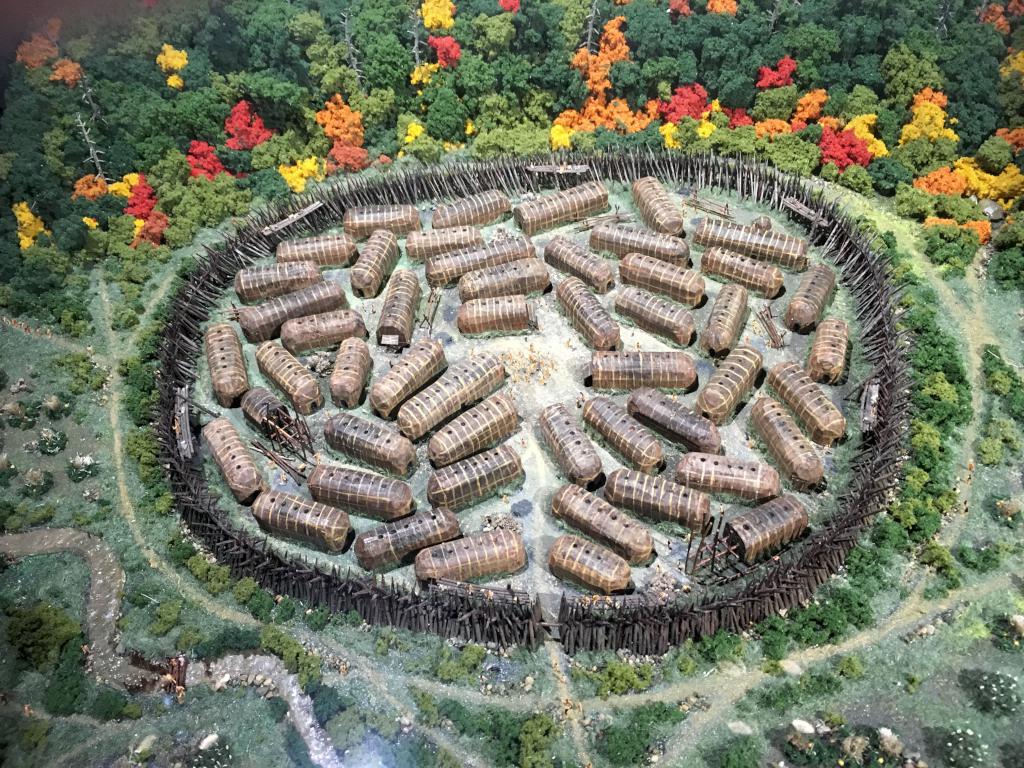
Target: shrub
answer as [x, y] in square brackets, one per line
[317, 619]
[189, 638]
[296, 659]
[965, 749]
[626, 741]
[774, 638]
[1007, 268]
[68, 689]
[244, 589]
[231, 639]
[429, 715]
[619, 677]
[993, 692]
[285, 610]
[463, 668]
[536, 735]
[980, 558]
[940, 558]
[960, 209]
[886, 175]
[32, 733]
[179, 550]
[721, 646]
[501, 728]
[850, 667]
[857, 178]
[109, 704]
[738, 752]
[39, 632]
[261, 605]
[167, 615]
[950, 247]
[328, 701]
[52, 441]
[913, 203]
[84, 374]
[994, 154]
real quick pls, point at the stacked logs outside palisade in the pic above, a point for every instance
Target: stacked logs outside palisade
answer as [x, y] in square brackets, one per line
[500, 276]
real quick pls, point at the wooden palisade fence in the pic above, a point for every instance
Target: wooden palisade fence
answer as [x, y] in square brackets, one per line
[503, 617]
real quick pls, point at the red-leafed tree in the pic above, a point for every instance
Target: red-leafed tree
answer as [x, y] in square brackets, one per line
[447, 49]
[345, 157]
[738, 117]
[687, 101]
[679, 8]
[843, 148]
[142, 200]
[781, 75]
[509, 6]
[245, 128]
[202, 159]
[153, 230]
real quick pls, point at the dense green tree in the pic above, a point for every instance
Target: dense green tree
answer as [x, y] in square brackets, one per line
[446, 116]
[969, 61]
[907, 71]
[67, 690]
[813, 46]
[474, 79]
[886, 175]
[922, 156]
[492, 35]
[524, 140]
[994, 154]
[38, 632]
[789, 153]
[775, 103]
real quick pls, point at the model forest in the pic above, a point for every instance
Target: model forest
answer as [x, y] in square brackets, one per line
[538, 383]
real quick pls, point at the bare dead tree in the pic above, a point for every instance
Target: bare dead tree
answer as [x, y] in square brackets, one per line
[943, 18]
[95, 153]
[353, 52]
[776, 12]
[414, 29]
[591, 24]
[88, 98]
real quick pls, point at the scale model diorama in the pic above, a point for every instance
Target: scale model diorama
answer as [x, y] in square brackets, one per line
[540, 383]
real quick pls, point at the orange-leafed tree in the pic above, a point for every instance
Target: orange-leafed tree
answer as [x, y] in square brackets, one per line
[771, 127]
[1015, 136]
[340, 122]
[679, 8]
[942, 181]
[930, 96]
[809, 107]
[41, 47]
[725, 7]
[598, 110]
[995, 15]
[66, 71]
[89, 187]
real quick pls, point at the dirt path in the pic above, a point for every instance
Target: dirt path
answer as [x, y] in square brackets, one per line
[243, 669]
[103, 605]
[126, 506]
[103, 608]
[721, 691]
[368, 671]
[153, 302]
